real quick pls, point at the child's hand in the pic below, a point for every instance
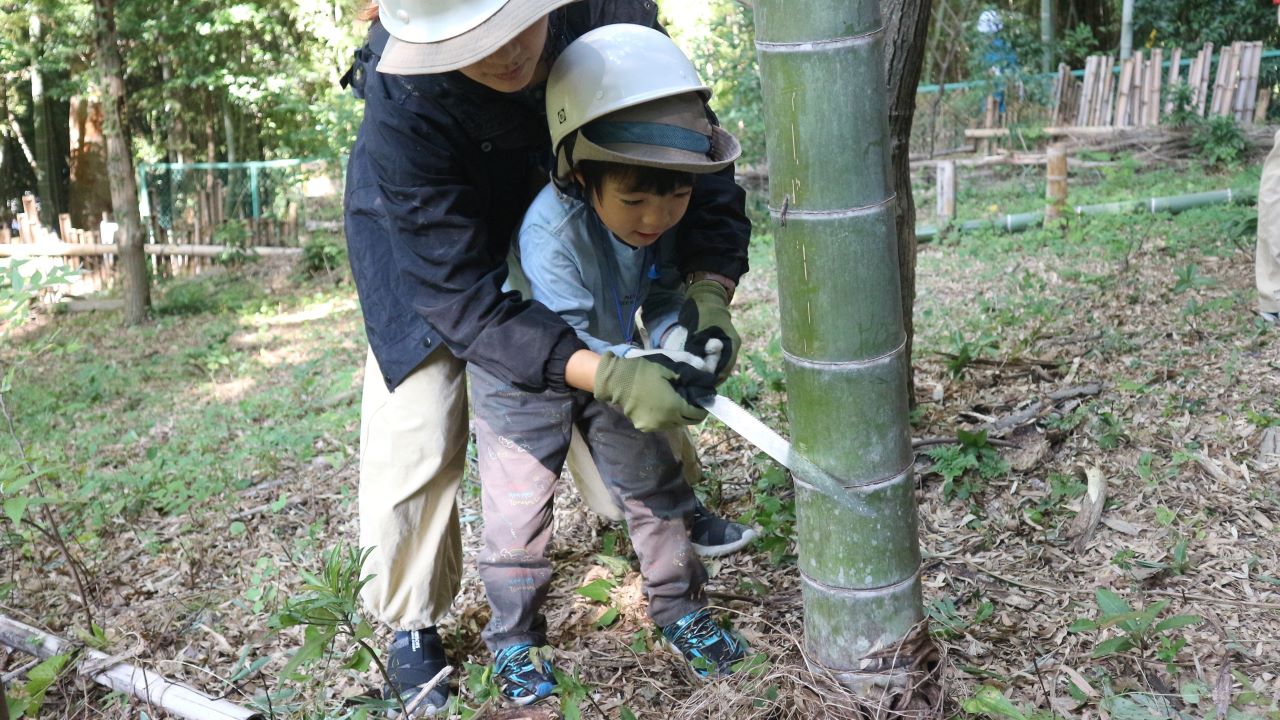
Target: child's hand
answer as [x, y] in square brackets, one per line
[655, 392]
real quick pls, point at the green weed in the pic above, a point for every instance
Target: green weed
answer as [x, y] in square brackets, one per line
[966, 466]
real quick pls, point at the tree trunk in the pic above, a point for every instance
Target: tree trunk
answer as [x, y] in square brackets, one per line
[124, 188]
[1126, 29]
[905, 36]
[822, 70]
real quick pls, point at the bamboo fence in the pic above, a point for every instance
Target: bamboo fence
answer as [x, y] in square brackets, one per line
[1138, 92]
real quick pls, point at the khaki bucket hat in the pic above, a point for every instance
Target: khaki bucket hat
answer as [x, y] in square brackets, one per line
[435, 36]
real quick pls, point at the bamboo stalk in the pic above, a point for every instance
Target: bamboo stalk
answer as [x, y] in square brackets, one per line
[946, 191]
[1175, 70]
[1108, 92]
[1122, 93]
[1233, 79]
[821, 70]
[1202, 91]
[149, 687]
[1153, 88]
[1138, 107]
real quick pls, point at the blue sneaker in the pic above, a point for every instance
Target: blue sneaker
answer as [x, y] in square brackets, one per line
[709, 648]
[521, 679]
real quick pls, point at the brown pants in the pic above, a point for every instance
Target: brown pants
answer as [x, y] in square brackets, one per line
[412, 459]
[522, 439]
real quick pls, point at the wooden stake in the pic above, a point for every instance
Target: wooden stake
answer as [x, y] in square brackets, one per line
[946, 191]
[1264, 104]
[1055, 188]
[1153, 90]
[1086, 93]
[1202, 82]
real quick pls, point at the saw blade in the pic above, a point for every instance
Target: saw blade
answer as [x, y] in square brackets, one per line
[777, 447]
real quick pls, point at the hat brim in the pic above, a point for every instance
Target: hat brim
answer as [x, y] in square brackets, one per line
[724, 150]
[401, 57]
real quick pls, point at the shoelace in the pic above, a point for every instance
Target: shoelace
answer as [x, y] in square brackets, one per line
[701, 631]
[517, 665]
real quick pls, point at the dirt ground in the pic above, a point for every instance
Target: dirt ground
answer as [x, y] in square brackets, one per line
[1092, 357]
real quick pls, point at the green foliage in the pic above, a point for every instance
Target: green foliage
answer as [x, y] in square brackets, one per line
[966, 465]
[946, 620]
[725, 54]
[25, 699]
[1219, 140]
[20, 286]
[1191, 23]
[1138, 630]
[327, 607]
[321, 255]
[774, 513]
[966, 350]
[235, 236]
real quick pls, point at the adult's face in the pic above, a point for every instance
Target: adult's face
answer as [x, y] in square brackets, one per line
[513, 66]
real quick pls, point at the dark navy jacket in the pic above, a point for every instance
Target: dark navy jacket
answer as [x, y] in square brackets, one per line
[439, 178]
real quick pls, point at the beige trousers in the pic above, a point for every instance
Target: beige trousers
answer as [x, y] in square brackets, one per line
[1267, 265]
[413, 455]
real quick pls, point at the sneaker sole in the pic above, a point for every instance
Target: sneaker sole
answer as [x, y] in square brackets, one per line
[727, 548]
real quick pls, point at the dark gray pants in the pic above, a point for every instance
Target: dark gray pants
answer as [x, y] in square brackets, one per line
[522, 439]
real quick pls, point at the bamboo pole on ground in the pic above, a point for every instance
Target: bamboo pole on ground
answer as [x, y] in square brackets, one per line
[1055, 187]
[822, 76]
[149, 687]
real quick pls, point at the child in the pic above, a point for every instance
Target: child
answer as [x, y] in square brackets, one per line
[630, 132]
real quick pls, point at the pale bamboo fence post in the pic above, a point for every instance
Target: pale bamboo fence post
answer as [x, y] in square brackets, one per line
[1122, 93]
[1108, 91]
[1153, 88]
[1175, 74]
[1055, 188]
[1202, 82]
[946, 192]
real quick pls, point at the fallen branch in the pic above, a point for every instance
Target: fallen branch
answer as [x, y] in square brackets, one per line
[175, 698]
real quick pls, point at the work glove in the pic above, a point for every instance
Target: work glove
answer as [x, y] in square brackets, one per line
[698, 363]
[705, 321]
[654, 391]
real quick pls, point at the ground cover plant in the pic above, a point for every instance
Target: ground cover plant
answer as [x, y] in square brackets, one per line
[1096, 410]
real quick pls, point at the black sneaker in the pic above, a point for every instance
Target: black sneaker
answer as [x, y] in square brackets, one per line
[713, 536]
[521, 678]
[415, 657]
[709, 648]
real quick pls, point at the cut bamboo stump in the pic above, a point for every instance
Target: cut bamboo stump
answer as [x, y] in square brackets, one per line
[175, 698]
[946, 191]
[1055, 189]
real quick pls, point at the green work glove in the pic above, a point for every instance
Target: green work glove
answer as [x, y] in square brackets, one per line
[706, 315]
[654, 391]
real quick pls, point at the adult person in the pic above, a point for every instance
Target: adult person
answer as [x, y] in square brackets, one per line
[1267, 256]
[452, 148]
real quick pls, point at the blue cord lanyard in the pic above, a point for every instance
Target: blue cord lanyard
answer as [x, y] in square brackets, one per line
[626, 322]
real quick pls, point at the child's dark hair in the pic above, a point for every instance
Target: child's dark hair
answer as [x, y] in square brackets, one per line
[633, 178]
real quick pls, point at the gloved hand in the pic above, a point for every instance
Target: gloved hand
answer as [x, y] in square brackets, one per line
[673, 353]
[673, 345]
[654, 391]
[705, 319]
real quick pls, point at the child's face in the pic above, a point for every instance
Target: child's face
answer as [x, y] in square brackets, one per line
[513, 66]
[639, 218]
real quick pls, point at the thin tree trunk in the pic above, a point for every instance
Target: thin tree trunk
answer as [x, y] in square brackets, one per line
[906, 30]
[1126, 29]
[822, 70]
[124, 188]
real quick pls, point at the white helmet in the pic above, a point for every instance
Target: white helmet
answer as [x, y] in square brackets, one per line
[990, 22]
[616, 68]
[431, 36]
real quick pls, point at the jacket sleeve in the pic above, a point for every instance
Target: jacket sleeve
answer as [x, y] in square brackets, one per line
[715, 231]
[453, 272]
[555, 279]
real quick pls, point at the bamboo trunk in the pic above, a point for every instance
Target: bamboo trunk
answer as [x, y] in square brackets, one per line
[1086, 93]
[1108, 92]
[180, 700]
[1122, 93]
[1202, 84]
[823, 79]
[1175, 71]
[1153, 88]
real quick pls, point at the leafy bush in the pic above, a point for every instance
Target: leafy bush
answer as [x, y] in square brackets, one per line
[321, 255]
[18, 288]
[1218, 140]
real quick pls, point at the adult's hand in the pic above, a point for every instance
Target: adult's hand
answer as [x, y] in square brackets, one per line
[698, 363]
[654, 391]
[705, 321]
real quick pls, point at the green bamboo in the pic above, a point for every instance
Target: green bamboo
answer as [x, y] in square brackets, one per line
[822, 73]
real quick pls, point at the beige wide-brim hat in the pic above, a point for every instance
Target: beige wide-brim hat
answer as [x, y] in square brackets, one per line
[435, 36]
[672, 133]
